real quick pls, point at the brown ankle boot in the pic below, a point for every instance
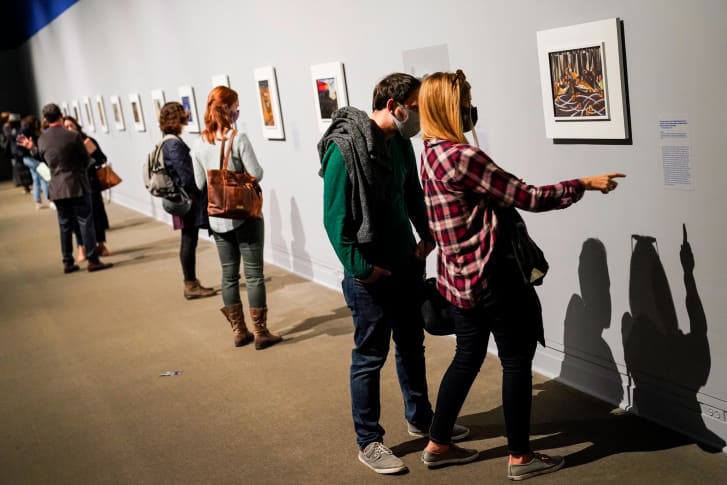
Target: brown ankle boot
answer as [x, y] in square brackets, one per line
[236, 318]
[194, 289]
[263, 337]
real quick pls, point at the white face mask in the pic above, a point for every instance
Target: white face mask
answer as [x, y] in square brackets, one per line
[410, 126]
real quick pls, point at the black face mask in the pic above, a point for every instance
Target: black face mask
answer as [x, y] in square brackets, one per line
[467, 115]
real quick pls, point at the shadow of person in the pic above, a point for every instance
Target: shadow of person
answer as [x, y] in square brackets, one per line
[332, 324]
[660, 358]
[588, 363]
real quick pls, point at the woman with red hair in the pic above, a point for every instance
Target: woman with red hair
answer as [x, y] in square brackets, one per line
[235, 239]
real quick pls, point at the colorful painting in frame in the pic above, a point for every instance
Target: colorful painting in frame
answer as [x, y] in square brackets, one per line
[266, 87]
[583, 81]
[329, 90]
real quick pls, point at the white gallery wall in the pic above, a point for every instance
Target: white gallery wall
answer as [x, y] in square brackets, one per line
[622, 321]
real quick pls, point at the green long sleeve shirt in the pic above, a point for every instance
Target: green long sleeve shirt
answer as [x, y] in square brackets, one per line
[395, 242]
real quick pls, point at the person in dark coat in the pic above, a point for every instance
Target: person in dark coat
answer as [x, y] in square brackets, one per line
[98, 158]
[69, 188]
[178, 162]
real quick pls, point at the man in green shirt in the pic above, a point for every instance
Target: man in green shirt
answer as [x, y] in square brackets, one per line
[372, 196]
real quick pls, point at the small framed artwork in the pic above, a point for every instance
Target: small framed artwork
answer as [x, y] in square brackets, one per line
[582, 81]
[118, 113]
[266, 85]
[329, 90]
[186, 97]
[157, 100]
[88, 115]
[136, 113]
[221, 80]
[101, 111]
[64, 108]
[76, 111]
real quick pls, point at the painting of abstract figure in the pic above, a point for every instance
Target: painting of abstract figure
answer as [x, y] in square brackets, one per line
[269, 102]
[327, 96]
[578, 84]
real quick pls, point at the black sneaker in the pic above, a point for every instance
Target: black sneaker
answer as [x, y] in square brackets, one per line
[453, 456]
[98, 266]
[70, 268]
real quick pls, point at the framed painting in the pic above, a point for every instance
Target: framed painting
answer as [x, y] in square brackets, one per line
[101, 111]
[118, 113]
[329, 90]
[136, 113]
[582, 81]
[76, 112]
[266, 86]
[186, 97]
[157, 100]
[221, 80]
[88, 115]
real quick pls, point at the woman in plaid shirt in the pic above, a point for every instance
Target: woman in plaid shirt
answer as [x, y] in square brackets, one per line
[463, 188]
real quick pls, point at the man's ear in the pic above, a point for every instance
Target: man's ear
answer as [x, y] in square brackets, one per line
[391, 104]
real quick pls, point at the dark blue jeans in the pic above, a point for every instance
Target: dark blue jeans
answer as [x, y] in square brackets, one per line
[76, 209]
[513, 322]
[389, 307]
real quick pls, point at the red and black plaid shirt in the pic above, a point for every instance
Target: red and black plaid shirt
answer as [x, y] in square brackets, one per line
[461, 187]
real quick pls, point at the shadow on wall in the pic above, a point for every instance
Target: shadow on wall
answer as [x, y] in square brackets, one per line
[587, 316]
[656, 351]
[302, 264]
[274, 220]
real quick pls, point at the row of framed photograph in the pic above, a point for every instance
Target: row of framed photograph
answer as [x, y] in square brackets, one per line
[329, 88]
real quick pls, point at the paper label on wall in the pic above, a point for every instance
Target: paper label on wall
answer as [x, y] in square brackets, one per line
[675, 152]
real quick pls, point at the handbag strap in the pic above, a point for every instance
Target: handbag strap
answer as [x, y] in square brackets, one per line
[225, 156]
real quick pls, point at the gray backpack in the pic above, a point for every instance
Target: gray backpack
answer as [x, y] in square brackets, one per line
[156, 178]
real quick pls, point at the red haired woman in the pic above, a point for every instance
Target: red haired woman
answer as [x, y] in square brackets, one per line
[236, 239]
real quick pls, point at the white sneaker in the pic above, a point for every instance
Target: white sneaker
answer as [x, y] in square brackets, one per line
[380, 459]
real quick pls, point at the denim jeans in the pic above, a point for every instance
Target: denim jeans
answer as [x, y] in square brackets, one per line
[389, 307]
[39, 184]
[513, 321]
[76, 209]
[246, 242]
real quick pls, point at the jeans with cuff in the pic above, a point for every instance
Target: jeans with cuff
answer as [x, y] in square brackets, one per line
[381, 310]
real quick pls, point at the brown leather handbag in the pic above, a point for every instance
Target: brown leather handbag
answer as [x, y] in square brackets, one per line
[232, 195]
[107, 178]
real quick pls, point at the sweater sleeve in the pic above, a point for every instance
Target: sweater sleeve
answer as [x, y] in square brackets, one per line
[200, 171]
[337, 214]
[245, 152]
[178, 161]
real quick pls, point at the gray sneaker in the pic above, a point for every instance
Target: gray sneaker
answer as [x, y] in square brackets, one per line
[453, 456]
[539, 465]
[380, 459]
[458, 432]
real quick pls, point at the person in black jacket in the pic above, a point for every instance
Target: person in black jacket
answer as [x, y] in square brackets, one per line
[172, 118]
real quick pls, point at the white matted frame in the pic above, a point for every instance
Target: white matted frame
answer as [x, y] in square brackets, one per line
[103, 123]
[64, 108]
[582, 81]
[88, 115]
[329, 91]
[186, 97]
[137, 115]
[118, 113]
[266, 87]
[76, 111]
[157, 101]
[220, 80]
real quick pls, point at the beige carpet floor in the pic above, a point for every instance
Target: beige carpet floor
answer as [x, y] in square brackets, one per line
[82, 400]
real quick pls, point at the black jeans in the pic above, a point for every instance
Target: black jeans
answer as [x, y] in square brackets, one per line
[510, 322]
[78, 210]
[188, 252]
